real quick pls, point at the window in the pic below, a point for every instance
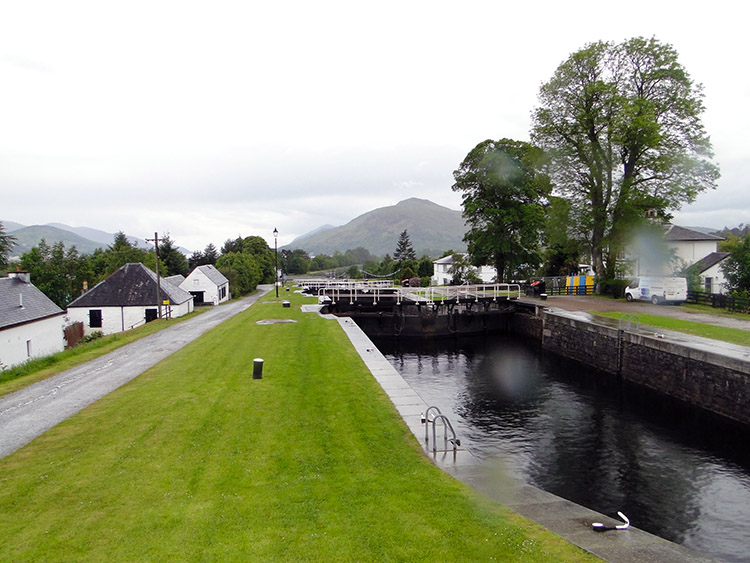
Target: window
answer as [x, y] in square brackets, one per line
[28, 348]
[95, 318]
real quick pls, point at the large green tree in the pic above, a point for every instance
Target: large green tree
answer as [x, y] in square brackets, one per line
[6, 245]
[172, 257]
[736, 267]
[58, 272]
[404, 249]
[503, 192]
[241, 269]
[622, 123]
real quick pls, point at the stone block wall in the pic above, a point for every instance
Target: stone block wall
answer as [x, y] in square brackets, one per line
[704, 379]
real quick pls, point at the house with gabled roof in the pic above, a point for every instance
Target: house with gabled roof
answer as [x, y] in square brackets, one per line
[691, 245]
[207, 285]
[31, 325]
[710, 272]
[127, 299]
[682, 247]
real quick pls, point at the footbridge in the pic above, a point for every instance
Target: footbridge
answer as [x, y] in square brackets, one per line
[383, 309]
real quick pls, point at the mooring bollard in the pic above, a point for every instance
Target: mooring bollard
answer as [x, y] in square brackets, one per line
[258, 368]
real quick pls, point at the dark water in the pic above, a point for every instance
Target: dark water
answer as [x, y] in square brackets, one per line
[585, 437]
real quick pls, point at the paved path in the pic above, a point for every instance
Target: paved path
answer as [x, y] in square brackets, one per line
[606, 305]
[29, 412]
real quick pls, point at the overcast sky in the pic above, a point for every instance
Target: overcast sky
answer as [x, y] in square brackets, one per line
[210, 120]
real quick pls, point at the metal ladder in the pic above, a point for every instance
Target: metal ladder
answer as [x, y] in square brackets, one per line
[427, 421]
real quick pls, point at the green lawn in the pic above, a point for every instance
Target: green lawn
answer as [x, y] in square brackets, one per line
[732, 335]
[15, 378]
[196, 461]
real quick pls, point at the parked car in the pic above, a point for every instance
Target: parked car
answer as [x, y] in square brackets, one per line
[657, 289]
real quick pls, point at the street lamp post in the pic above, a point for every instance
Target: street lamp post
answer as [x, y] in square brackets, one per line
[276, 259]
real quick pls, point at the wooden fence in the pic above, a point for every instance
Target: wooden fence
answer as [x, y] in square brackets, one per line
[717, 301]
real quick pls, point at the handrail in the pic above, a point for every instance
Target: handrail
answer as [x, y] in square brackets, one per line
[629, 317]
[446, 425]
[430, 295]
[426, 420]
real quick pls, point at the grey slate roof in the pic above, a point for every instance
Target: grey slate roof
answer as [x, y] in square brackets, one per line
[212, 274]
[676, 233]
[176, 279]
[36, 305]
[133, 285]
[711, 260]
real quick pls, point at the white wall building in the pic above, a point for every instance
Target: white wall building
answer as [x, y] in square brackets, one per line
[207, 285]
[710, 273]
[442, 272]
[127, 299]
[31, 325]
[690, 245]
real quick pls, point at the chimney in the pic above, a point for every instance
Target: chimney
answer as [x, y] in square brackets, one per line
[20, 300]
[24, 277]
[85, 287]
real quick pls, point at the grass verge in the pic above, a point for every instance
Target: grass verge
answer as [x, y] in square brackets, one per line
[731, 335]
[17, 377]
[194, 460]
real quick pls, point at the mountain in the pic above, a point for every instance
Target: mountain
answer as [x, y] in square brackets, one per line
[432, 229]
[11, 226]
[313, 232]
[29, 237]
[99, 236]
[85, 239]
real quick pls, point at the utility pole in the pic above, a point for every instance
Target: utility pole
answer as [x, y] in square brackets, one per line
[276, 260]
[155, 240]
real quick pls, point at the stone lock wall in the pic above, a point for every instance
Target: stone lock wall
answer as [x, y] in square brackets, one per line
[707, 380]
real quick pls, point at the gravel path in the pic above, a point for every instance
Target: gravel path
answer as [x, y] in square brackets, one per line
[605, 305]
[29, 412]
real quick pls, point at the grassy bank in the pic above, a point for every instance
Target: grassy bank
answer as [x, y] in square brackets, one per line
[16, 377]
[731, 335]
[195, 460]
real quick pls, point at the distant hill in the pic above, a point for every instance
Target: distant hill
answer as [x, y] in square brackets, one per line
[29, 237]
[85, 239]
[100, 236]
[432, 230]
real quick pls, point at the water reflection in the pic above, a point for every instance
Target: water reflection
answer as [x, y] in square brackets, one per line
[585, 437]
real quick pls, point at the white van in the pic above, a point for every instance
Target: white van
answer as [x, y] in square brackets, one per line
[657, 289]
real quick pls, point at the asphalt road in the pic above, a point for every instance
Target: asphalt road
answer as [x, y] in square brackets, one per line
[29, 412]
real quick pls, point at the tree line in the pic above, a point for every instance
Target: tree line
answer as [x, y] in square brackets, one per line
[63, 273]
[617, 145]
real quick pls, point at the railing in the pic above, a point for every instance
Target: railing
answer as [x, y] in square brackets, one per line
[571, 290]
[427, 421]
[376, 294]
[318, 283]
[430, 295]
[492, 291]
[627, 319]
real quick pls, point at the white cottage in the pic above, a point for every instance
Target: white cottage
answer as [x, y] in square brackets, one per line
[207, 285]
[31, 325]
[127, 299]
[710, 272]
[442, 272]
[690, 245]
